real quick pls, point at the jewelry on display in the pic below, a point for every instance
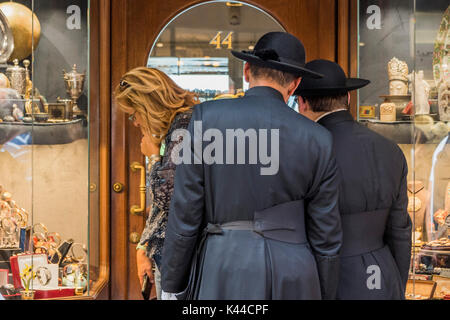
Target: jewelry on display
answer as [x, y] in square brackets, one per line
[75, 275]
[41, 225]
[54, 238]
[39, 237]
[41, 249]
[6, 196]
[84, 250]
[43, 280]
[58, 253]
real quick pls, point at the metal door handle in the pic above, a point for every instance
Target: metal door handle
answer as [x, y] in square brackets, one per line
[138, 210]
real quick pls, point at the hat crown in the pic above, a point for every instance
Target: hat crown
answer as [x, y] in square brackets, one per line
[280, 51]
[334, 80]
[333, 74]
[288, 47]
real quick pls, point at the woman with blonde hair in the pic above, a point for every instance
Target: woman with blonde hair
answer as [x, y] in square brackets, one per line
[158, 106]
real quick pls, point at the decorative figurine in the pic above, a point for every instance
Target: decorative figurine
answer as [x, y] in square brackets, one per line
[421, 90]
[8, 119]
[27, 275]
[387, 112]
[444, 94]
[398, 77]
[28, 82]
[398, 98]
[17, 113]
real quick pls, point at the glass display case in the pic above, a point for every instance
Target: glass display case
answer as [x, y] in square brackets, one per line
[49, 217]
[404, 50]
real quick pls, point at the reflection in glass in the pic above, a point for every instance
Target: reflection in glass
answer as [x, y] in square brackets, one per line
[194, 49]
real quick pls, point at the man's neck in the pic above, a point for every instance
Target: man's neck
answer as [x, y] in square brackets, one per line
[271, 84]
[313, 115]
[316, 116]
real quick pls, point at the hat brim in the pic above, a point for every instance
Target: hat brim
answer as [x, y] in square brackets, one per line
[278, 65]
[350, 84]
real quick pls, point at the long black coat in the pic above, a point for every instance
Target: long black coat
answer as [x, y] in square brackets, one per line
[373, 203]
[240, 264]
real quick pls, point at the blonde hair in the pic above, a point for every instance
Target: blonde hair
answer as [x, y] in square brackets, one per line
[156, 97]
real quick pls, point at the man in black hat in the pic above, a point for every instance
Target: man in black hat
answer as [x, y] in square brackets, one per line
[376, 250]
[249, 225]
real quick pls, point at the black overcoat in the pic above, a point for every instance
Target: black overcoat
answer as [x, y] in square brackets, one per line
[373, 204]
[242, 264]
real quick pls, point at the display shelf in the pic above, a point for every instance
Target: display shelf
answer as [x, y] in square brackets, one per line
[44, 133]
[399, 131]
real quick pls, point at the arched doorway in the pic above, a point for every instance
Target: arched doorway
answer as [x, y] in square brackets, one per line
[194, 48]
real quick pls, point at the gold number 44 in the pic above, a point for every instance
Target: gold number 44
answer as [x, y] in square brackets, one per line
[217, 40]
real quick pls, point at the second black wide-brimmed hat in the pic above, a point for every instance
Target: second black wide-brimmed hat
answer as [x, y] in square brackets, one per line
[281, 51]
[334, 81]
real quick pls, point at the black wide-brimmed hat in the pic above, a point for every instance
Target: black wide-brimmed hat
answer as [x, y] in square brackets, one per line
[281, 51]
[334, 81]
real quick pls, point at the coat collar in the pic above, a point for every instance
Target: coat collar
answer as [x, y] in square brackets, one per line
[264, 91]
[336, 117]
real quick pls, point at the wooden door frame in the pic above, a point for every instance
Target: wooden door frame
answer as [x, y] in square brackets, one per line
[129, 49]
[99, 115]
[119, 212]
[347, 49]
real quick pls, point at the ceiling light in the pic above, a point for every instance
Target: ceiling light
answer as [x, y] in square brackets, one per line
[234, 4]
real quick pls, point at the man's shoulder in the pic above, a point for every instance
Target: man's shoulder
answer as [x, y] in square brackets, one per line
[220, 105]
[379, 141]
[277, 111]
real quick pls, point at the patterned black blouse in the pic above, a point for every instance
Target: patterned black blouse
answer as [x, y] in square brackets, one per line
[160, 182]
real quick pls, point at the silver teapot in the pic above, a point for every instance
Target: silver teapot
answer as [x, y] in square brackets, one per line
[74, 86]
